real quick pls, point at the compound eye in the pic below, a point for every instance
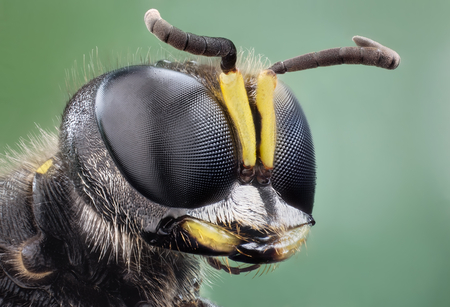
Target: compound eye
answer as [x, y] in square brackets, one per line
[168, 136]
[294, 172]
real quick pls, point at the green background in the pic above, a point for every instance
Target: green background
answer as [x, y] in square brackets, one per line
[381, 137]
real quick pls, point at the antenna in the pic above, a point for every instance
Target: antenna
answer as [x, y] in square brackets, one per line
[192, 43]
[368, 52]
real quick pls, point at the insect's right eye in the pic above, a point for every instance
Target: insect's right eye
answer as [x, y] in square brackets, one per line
[168, 136]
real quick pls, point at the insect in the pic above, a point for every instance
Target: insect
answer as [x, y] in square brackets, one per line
[160, 172]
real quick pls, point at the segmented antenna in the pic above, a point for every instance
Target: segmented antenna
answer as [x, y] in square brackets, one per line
[192, 43]
[368, 52]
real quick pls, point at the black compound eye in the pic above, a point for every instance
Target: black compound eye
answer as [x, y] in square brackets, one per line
[294, 172]
[168, 136]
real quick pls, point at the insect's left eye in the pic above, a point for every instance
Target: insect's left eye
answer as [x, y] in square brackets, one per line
[294, 172]
[168, 135]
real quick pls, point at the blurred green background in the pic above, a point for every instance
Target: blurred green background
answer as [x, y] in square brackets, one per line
[381, 137]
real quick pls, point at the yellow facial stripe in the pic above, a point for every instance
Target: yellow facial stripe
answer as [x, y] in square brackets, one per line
[44, 167]
[267, 81]
[211, 236]
[236, 101]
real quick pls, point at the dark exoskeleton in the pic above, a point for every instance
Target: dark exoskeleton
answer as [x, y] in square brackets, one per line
[155, 164]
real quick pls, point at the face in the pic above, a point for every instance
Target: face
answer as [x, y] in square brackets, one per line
[163, 146]
[200, 158]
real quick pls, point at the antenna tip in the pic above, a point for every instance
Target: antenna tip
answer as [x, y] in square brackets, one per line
[362, 41]
[150, 18]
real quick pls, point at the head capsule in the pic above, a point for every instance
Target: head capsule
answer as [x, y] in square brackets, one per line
[209, 160]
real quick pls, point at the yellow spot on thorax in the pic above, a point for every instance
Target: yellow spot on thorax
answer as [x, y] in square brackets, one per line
[44, 167]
